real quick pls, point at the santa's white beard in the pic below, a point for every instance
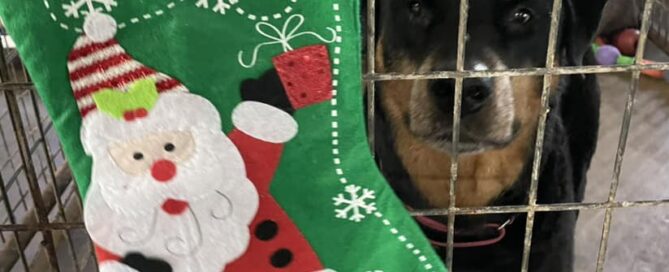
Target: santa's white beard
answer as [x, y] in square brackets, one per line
[123, 213]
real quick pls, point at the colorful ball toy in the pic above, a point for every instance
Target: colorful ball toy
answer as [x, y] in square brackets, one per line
[607, 55]
[624, 46]
[626, 41]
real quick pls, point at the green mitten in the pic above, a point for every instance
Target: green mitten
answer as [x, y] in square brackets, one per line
[211, 135]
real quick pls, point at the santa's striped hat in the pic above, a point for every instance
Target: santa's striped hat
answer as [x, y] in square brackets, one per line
[98, 62]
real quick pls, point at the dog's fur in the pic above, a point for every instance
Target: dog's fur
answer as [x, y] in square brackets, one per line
[414, 123]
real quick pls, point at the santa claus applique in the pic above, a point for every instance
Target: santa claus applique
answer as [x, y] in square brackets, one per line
[169, 190]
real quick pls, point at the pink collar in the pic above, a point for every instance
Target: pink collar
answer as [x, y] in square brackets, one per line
[441, 227]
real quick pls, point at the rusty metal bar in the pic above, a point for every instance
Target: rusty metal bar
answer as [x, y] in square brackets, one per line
[539, 71]
[457, 105]
[15, 86]
[12, 220]
[33, 184]
[624, 132]
[52, 171]
[28, 166]
[4, 76]
[29, 122]
[63, 179]
[429, 212]
[541, 131]
[371, 68]
[543, 208]
[42, 227]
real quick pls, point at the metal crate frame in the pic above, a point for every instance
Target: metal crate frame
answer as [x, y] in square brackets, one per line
[50, 187]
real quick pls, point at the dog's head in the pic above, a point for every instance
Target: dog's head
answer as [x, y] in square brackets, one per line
[419, 36]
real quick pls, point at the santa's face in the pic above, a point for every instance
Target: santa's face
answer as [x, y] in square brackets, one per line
[148, 173]
[158, 153]
[163, 161]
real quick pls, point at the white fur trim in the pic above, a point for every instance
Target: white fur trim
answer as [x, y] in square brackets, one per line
[264, 122]
[100, 27]
[112, 266]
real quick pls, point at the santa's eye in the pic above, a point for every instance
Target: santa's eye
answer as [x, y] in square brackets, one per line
[138, 156]
[169, 147]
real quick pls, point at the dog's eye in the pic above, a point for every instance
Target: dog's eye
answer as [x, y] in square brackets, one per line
[169, 147]
[138, 156]
[518, 22]
[522, 16]
[415, 7]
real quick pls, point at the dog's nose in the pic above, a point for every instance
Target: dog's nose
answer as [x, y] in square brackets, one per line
[163, 170]
[475, 93]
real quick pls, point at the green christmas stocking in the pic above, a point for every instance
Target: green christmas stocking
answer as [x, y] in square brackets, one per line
[217, 135]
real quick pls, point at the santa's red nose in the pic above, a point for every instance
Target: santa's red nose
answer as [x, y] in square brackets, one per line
[163, 170]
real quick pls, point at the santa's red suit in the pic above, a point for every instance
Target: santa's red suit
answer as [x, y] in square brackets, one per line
[276, 242]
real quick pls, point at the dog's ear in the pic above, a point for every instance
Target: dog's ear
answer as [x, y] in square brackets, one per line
[580, 23]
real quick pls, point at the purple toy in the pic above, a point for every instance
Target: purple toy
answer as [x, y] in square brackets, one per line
[607, 55]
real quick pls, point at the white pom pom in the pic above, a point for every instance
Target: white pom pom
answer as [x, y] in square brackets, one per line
[99, 27]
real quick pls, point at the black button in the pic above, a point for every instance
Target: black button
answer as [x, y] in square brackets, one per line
[281, 258]
[266, 230]
[145, 264]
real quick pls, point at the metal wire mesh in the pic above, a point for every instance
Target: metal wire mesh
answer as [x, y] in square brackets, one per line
[547, 72]
[40, 218]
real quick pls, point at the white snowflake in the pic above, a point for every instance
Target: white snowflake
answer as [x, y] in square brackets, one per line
[355, 206]
[74, 8]
[221, 6]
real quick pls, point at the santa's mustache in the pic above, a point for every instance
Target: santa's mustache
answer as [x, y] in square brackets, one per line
[176, 242]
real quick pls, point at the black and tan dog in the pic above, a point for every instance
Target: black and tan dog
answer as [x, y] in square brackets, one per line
[499, 121]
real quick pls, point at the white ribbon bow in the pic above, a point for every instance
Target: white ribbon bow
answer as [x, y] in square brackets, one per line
[283, 36]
